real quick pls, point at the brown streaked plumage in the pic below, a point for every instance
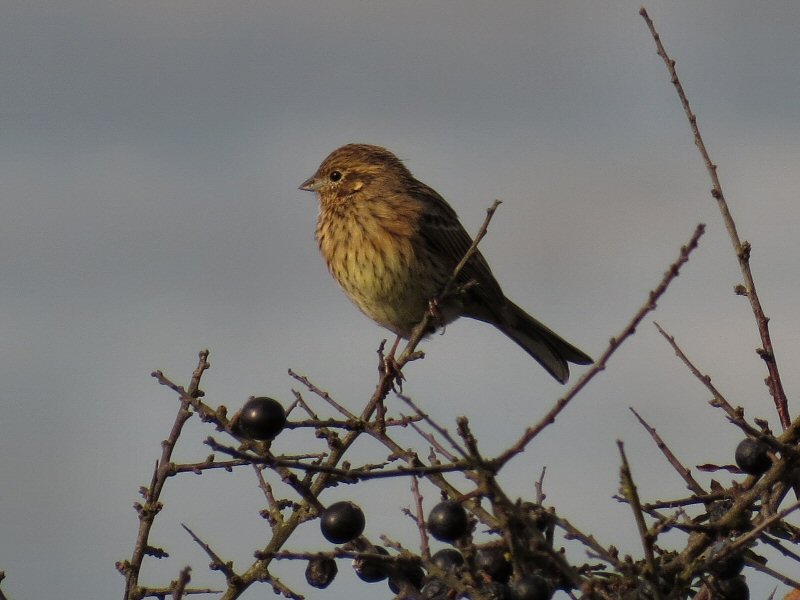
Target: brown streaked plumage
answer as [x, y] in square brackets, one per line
[392, 242]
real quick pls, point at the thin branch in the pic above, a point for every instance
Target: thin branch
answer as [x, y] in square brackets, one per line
[225, 567]
[719, 399]
[272, 513]
[159, 593]
[350, 475]
[742, 249]
[206, 465]
[745, 539]
[588, 540]
[152, 505]
[281, 589]
[539, 486]
[785, 579]
[614, 343]
[699, 499]
[322, 394]
[438, 428]
[691, 483]
[420, 519]
[632, 496]
[435, 445]
[350, 425]
[735, 415]
[298, 400]
[179, 589]
[780, 548]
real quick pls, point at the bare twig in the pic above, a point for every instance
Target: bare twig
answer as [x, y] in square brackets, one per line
[152, 506]
[745, 539]
[691, 483]
[159, 593]
[438, 428]
[349, 474]
[780, 548]
[785, 579]
[420, 519]
[719, 399]
[680, 502]
[180, 585]
[588, 540]
[435, 445]
[742, 249]
[206, 465]
[322, 394]
[299, 401]
[735, 415]
[539, 485]
[613, 344]
[225, 567]
[632, 496]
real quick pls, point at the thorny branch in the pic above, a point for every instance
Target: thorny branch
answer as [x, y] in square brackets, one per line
[152, 506]
[742, 249]
[613, 344]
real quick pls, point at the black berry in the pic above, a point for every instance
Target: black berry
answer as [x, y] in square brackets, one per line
[733, 589]
[372, 570]
[262, 418]
[448, 559]
[448, 521]
[320, 572]
[531, 587]
[727, 567]
[342, 522]
[409, 573]
[752, 456]
[492, 561]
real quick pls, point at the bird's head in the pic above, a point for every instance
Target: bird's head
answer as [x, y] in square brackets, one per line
[356, 169]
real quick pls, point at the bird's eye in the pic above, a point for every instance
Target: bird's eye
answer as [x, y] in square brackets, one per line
[335, 176]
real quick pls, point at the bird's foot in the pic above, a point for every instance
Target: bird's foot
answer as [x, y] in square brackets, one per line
[389, 366]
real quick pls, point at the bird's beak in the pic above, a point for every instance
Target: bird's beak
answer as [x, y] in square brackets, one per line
[312, 184]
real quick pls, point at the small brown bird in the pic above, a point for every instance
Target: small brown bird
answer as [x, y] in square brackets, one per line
[392, 243]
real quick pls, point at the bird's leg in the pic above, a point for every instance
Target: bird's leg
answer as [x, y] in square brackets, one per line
[394, 347]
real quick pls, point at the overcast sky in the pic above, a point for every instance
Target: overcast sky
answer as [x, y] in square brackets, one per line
[150, 154]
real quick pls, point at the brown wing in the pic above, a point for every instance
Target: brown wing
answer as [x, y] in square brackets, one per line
[447, 238]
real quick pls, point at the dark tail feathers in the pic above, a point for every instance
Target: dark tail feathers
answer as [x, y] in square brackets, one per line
[547, 347]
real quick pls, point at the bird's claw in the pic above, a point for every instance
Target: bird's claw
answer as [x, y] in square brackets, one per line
[391, 368]
[388, 365]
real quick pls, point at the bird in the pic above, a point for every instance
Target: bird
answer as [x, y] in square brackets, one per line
[392, 242]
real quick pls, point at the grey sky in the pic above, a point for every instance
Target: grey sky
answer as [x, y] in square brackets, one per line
[150, 154]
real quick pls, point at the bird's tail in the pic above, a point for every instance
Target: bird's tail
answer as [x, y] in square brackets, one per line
[547, 347]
